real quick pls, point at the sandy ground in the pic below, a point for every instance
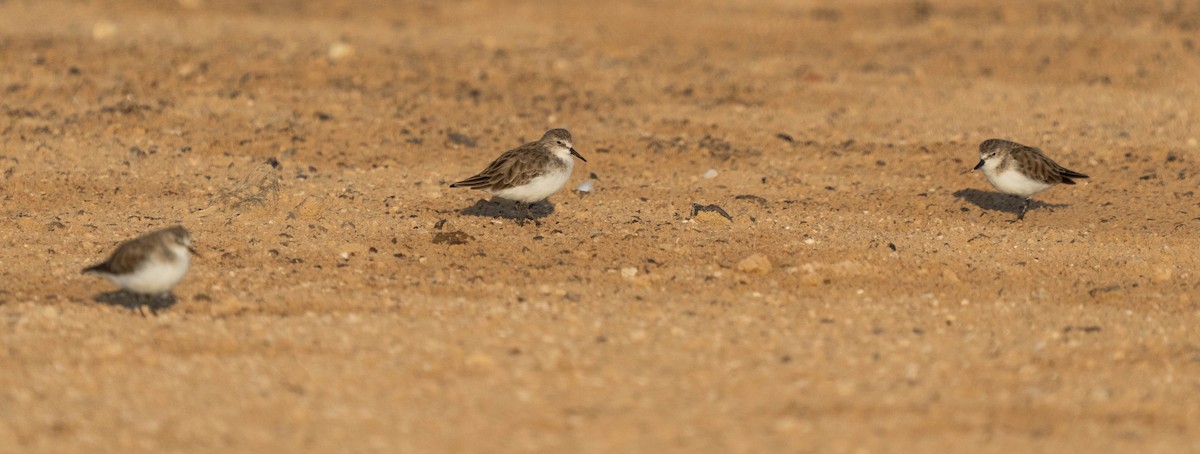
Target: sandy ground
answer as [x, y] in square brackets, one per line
[868, 294]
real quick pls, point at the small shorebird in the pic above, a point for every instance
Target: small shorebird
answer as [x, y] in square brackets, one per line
[1021, 170]
[150, 264]
[529, 173]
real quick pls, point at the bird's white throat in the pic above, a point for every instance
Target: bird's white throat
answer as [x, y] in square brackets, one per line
[563, 154]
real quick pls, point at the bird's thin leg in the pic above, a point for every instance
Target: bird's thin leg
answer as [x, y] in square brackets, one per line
[529, 212]
[1024, 208]
[521, 213]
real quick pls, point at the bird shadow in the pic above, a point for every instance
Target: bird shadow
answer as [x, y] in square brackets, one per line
[136, 302]
[506, 209]
[998, 201]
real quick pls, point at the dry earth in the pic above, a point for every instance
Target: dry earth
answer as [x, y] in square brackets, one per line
[868, 294]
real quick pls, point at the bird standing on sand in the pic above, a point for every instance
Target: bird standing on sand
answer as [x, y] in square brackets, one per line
[1021, 170]
[529, 173]
[150, 264]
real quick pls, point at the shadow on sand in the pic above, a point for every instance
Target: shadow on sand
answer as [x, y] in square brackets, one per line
[997, 201]
[135, 302]
[506, 209]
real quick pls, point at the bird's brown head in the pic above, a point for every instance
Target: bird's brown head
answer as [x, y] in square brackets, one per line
[560, 139]
[178, 235]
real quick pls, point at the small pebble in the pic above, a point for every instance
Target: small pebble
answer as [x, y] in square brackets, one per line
[103, 30]
[756, 263]
[340, 50]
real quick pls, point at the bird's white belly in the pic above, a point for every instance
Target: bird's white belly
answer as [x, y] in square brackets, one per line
[153, 278]
[538, 188]
[1014, 182]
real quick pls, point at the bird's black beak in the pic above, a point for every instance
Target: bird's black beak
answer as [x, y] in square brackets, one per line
[977, 166]
[194, 252]
[577, 155]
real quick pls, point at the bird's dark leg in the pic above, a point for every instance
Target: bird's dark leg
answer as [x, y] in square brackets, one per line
[529, 214]
[1024, 208]
[522, 212]
[140, 303]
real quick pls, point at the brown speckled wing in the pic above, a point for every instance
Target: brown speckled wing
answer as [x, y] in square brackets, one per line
[130, 254]
[1036, 165]
[513, 168]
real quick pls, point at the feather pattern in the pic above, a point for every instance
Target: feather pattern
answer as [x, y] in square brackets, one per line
[1030, 161]
[515, 167]
[133, 253]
